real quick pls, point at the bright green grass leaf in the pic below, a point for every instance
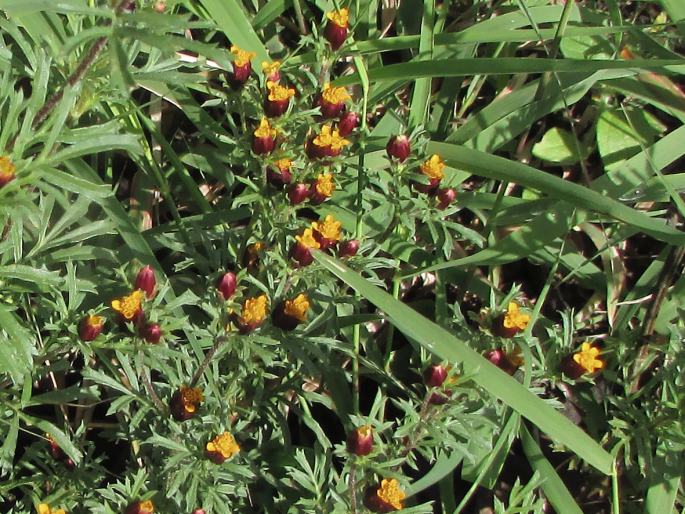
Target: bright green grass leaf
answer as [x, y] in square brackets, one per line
[447, 347]
[491, 166]
[553, 487]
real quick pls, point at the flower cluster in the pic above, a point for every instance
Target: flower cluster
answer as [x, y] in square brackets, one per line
[321, 235]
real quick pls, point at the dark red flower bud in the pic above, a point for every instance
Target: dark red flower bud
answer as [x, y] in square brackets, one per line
[90, 327]
[151, 332]
[348, 122]
[348, 248]
[140, 507]
[264, 138]
[298, 193]
[332, 100]
[277, 99]
[398, 147]
[508, 363]
[571, 368]
[279, 175]
[336, 28]
[360, 440]
[434, 375]
[242, 67]
[445, 198]
[301, 254]
[227, 284]
[146, 281]
[430, 188]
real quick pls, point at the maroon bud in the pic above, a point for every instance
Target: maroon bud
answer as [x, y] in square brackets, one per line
[227, 284]
[430, 188]
[298, 193]
[69, 464]
[360, 440]
[336, 28]
[146, 281]
[242, 67]
[185, 402]
[398, 147]
[301, 254]
[445, 198]
[348, 122]
[151, 332]
[90, 327]
[348, 248]
[140, 507]
[277, 100]
[279, 175]
[507, 363]
[571, 368]
[434, 375]
[264, 138]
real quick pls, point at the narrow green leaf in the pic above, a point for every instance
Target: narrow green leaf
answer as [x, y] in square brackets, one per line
[447, 347]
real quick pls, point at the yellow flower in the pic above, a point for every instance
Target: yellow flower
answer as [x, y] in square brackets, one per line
[297, 308]
[278, 93]
[130, 305]
[191, 397]
[307, 239]
[254, 311]
[587, 358]
[433, 167]
[334, 95]
[146, 507]
[271, 68]
[44, 508]
[390, 493]
[514, 318]
[324, 184]
[341, 18]
[329, 229]
[7, 169]
[242, 57]
[324, 138]
[265, 130]
[283, 164]
[224, 445]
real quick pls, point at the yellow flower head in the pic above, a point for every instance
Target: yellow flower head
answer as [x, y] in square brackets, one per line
[241, 57]
[307, 239]
[128, 306]
[95, 321]
[191, 397]
[270, 68]
[389, 492]
[587, 358]
[365, 431]
[44, 508]
[324, 184]
[278, 93]
[297, 308]
[324, 138]
[224, 444]
[254, 310]
[329, 229]
[337, 141]
[341, 18]
[7, 168]
[334, 95]
[433, 167]
[146, 507]
[265, 130]
[283, 164]
[514, 318]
